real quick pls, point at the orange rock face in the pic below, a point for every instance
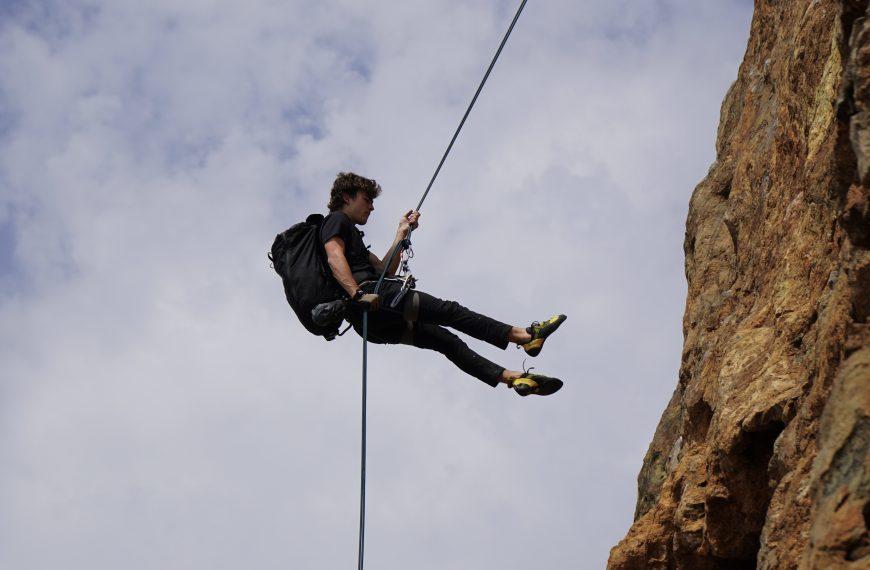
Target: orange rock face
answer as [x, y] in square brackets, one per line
[762, 457]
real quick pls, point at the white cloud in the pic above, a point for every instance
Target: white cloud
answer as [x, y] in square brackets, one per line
[160, 406]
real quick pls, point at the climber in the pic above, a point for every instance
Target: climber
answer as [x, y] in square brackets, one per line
[417, 320]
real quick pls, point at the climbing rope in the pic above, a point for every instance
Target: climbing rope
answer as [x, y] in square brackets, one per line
[402, 246]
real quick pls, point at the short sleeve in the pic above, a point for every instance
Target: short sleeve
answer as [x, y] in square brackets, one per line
[336, 225]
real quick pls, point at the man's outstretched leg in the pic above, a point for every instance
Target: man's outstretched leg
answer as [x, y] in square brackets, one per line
[451, 314]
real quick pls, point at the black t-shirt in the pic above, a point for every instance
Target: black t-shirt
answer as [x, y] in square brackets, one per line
[356, 252]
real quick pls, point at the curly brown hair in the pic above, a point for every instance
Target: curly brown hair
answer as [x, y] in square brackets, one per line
[350, 183]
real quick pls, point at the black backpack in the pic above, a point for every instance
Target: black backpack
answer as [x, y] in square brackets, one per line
[300, 260]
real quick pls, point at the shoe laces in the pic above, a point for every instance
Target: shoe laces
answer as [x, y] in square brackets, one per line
[526, 370]
[532, 326]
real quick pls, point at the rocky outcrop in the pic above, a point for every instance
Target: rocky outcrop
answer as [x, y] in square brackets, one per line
[761, 457]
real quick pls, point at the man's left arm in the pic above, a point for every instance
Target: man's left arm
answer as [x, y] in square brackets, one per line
[379, 263]
[408, 221]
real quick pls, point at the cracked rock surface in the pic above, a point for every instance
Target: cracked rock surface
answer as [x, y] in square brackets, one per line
[761, 457]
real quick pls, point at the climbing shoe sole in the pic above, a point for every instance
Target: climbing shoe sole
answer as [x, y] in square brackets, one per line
[540, 332]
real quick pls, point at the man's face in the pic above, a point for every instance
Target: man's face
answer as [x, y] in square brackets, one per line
[358, 208]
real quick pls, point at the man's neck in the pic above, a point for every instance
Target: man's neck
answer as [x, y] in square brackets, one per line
[349, 217]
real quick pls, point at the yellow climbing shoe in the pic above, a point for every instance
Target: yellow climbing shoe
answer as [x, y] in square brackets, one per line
[540, 332]
[538, 384]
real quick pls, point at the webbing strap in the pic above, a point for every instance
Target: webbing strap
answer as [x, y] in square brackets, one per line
[402, 245]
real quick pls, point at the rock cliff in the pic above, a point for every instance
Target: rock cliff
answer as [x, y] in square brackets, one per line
[761, 456]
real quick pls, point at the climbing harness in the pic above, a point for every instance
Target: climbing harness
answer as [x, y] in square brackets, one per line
[405, 247]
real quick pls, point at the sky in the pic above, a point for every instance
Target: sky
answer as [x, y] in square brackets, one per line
[160, 407]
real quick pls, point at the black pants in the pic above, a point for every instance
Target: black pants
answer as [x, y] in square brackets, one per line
[419, 320]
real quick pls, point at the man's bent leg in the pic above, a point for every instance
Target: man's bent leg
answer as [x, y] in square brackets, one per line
[434, 337]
